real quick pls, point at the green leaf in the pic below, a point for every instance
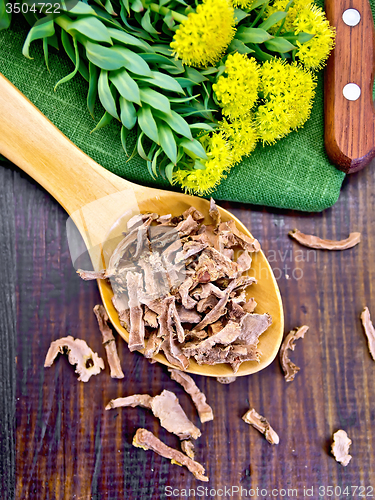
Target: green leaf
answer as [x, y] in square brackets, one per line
[301, 37]
[274, 18]
[74, 72]
[183, 99]
[41, 29]
[105, 120]
[252, 35]
[194, 147]
[140, 148]
[162, 49]
[45, 51]
[146, 24]
[176, 122]
[125, 3]
[147, 123]
[259, 54]
[137, 6]
[168, 142]
[154, 162]
[112, 58]
[5, 18]
[105, 94]
[128, 113]
[89, 26]
[201, 126]
[133, 61]
[185, 82]
[125, 84]
[169, 172]
[93, 88]
[124, 139]
[155, 100]
[257, 4]
[163, 81]
[279, 44]
[122, 36]
[109, 8]
[237, 45]
[194, 75]
[240, 15]
[157, 59]
[80, 8]
[69, 49]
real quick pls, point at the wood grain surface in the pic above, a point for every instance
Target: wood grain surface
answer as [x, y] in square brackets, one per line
[68, 447]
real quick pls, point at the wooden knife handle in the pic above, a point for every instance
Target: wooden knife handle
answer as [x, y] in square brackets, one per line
[350, 124]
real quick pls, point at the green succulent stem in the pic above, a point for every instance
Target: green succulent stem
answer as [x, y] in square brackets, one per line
[164, 11]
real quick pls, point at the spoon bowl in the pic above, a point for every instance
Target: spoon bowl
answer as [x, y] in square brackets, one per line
[100, 203]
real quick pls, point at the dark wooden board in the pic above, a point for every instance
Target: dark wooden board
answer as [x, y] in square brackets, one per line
[68, 447]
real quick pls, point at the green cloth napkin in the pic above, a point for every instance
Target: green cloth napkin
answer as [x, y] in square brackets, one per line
[295, 173]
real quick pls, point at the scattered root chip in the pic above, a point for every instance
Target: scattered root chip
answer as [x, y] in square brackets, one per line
[226, 380]
[308, 240]
[166, 408]
[143, 400]
[369, 330]
[79, 353]
[290, 369]
[340, 447]
[187, 447]
[199, 399]
[262, 425]
[146, 440]
[108, 342]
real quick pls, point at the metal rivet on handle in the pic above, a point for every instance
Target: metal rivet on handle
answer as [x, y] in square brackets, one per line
[351, 91]
[351, 17]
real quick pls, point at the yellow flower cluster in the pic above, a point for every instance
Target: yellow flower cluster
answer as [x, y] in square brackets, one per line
[202, 39]
[241, 135]
[315, 52]
[237, 90]
[304, 16]
[288, 91]
[200, 180]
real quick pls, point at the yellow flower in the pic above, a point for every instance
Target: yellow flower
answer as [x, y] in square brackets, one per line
[242, 4]
[207, 174]
[280, 5]
[288, 91]
[237, 91]
[207, 32]
[315, 52]
[241, 135]
[304, 16]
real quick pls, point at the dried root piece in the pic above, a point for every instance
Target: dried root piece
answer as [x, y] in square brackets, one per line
[146, 440]
[290, 369]
[108, 342]
[199, 399]
[226, 380]
[369, 330]
[143, 400]
[308, 240]
[187, 447]
[167, 409]
[88, 362]
[340, 447]
[262, 425]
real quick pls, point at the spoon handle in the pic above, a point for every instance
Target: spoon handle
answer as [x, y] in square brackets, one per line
[349, 118]
[33, 143]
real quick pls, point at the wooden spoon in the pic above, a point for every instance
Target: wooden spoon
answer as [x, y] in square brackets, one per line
[349, 77]
[83, 188]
